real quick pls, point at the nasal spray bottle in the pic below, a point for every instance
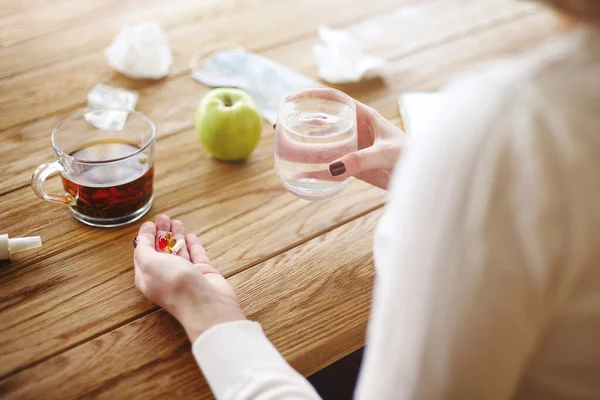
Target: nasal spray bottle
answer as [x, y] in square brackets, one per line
[8, 247]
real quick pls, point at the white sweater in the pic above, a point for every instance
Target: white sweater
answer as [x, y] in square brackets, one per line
[488, 256]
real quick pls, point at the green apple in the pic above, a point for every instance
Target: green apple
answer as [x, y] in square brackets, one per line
[228, 124]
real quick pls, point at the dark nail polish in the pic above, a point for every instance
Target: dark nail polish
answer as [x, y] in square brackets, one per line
[274, 126]
[135, 242]
[337, 168]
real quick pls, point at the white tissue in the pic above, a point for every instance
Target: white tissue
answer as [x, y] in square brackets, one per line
[141, 51]
[103, 96]
[341, 60]
[417, 109]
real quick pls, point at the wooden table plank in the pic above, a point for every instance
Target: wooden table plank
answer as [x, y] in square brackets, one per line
[13, 217]
[456, 54]
[27, 104]
[194, 182]
[72, 296]
[156, 100]
[323, 292]
[81, 286]
[39, 36]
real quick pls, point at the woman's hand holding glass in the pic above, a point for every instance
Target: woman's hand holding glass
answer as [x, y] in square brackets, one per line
[380, 145]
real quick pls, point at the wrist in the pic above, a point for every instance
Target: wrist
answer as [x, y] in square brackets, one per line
[195, 326]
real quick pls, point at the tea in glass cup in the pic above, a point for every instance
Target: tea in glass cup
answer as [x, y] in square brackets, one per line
[107, 171]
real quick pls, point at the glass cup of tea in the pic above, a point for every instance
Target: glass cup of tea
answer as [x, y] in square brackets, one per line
[105, 158]
[314, 128]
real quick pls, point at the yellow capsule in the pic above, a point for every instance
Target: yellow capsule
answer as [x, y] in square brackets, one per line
[171, 243]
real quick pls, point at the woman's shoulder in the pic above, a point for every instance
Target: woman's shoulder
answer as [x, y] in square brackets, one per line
[519, 117]
[563, 71]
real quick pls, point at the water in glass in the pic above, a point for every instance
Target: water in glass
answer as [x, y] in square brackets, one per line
[310, 134]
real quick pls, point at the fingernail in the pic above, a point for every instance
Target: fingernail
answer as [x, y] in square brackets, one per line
[135, 242]
[337, 168]
[274, 126]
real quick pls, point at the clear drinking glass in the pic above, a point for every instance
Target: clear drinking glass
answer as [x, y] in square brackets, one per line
[105, 158]
[314, 128]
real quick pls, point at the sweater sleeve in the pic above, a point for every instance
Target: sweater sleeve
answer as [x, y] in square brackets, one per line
[240, 363]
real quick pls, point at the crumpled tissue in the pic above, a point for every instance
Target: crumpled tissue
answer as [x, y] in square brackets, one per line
[264, 80]
[141, 51]
[341, 59]
[103, 96]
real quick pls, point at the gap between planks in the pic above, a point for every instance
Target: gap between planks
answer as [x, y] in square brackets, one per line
[155, 308]
[449, 39]
[382, 11]
[427, 46]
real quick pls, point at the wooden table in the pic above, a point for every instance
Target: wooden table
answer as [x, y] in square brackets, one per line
[72, 322]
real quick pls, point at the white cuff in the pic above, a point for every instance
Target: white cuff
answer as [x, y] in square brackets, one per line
[227, 353]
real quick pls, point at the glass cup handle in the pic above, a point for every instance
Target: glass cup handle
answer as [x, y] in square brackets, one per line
[39, 177]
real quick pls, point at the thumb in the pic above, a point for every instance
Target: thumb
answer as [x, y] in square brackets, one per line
[359, 161]
[147, 259]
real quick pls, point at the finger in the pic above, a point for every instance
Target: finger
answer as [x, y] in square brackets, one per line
[146, 241]
[178, 229]
[292, 150]
[163, 225]
[197, 252]
[143, 253]
[323, 175]
[149, 262]
[140, 282]
[378, 177]
[376, 156]
[148, 232]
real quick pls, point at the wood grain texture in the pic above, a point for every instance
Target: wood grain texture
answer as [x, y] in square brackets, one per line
[179, 193]
[150, 357]
[42, 96]
[454, 57]
[286, 25]
[50, 26]
[82, 290]
[156, 101]
[70, 317]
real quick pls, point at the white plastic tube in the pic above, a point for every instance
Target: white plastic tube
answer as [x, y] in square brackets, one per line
[8, 247]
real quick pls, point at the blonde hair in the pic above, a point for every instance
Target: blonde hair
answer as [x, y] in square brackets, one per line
[586, 10]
